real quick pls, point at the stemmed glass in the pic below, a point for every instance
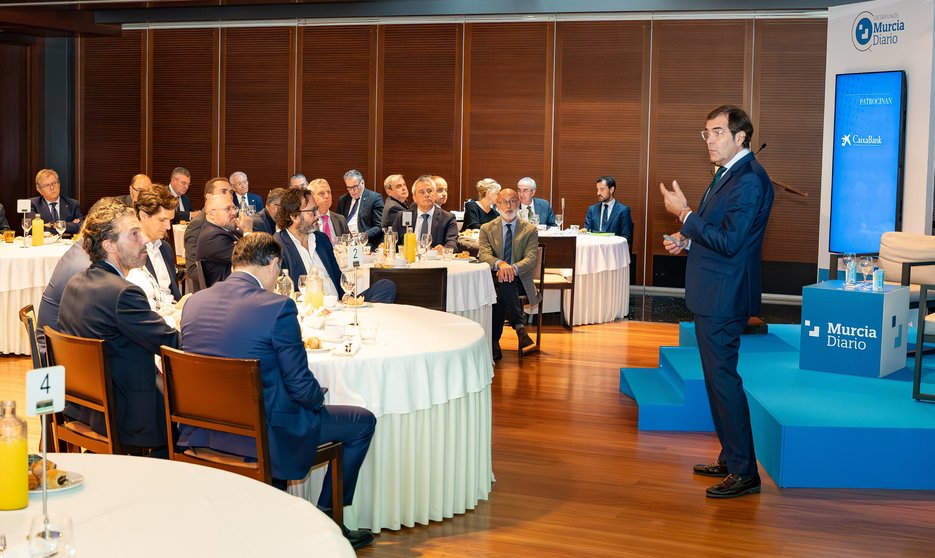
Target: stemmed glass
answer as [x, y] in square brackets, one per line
[866, 269]
[349, 284]
[534, 219]
[559, 219]
[59, 227]
[27, 222]
[362, 238]
[424, 242]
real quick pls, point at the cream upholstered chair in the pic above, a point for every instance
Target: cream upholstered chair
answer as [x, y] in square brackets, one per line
[908, 259]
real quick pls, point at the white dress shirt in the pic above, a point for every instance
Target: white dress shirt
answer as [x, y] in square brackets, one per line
[310, 259]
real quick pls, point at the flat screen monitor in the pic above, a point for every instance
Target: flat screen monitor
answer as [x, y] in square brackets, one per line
[867, 162]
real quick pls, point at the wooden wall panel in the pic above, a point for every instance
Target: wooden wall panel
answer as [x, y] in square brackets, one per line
[419, 105]
[183, 106]
[336, 117]
[601, 120]
[697, 66]
[16, 178]
[110, 128]
[508, 109]
[789, 93]
[255, 106]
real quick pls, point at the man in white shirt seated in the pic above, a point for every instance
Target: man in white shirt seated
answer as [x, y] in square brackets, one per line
[332, 224]
[158, 277]
[304, 248]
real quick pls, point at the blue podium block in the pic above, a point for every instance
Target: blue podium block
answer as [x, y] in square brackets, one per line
[852, 331]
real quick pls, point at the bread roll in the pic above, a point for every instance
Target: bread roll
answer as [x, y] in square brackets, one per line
[55, 478]
[33, 482]
[37, 467]
[313, 343]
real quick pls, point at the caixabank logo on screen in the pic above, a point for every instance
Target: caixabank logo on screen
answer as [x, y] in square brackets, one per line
[881, 30]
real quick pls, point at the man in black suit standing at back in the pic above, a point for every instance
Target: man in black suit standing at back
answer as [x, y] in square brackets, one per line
[362, 208]
[723, 235]
[99, 303]
[51, 206]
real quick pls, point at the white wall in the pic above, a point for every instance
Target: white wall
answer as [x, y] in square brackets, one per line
[912, 52]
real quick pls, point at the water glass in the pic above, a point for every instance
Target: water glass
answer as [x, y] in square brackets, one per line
[369, 331]
[303, 280]
[573, 229]
[53, 538]
[60, 227]
[330, 301]
[559, 218]
[448, 253]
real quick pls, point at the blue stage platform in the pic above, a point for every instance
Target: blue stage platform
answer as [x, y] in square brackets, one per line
[811, 429]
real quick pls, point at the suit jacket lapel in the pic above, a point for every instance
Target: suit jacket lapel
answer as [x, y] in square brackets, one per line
[724, 178]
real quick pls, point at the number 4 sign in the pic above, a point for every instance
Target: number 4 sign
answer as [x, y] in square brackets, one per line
[45, 390]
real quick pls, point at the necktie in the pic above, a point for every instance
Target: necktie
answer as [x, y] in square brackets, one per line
[425, 225]
[532, 209]
[352, 214]
[604, 218]
[181, 205]
[54, 211]
[717, 176]
[326, 227]
[508, 244]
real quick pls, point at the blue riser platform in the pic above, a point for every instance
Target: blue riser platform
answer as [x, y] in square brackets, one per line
[811, 429]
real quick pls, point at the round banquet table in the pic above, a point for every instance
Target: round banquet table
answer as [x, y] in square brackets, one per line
[24, 273]
[427, 380]
[470, 288]
[145, 507]
[602, 277]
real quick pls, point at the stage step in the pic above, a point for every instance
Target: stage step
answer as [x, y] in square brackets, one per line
[671, 397]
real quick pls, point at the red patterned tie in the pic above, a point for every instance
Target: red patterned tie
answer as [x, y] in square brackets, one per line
[326, 226]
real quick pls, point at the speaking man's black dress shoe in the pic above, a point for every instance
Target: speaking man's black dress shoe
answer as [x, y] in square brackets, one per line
[358, 539]
[735, 485]
[711, 470]
[524, 339]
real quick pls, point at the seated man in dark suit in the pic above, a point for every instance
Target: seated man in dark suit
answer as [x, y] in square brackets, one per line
[362, 208]
[397, 198]
[265, 221]
[99, 303]
[137, 184]
[241, 318]
[218, 186]
[305, 248]
[526, 189]
[426, 217]
[179, 182]
[51, 206]
[158, 277]
[609, 215]
[4, 224]
[510, 246]
[332, 224]
[242, 194]
[217, 238]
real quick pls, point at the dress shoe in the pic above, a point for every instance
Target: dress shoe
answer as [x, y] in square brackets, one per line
[524, 339]
[497, 353]
[735, 485]
[712, 470]
[359, 538]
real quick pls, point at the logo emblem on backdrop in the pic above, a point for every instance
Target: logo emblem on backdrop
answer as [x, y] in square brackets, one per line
[845, 140]
[876, 30]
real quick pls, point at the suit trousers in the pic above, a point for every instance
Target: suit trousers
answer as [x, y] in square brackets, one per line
[507, 306]
[383, 290]
[719, 345]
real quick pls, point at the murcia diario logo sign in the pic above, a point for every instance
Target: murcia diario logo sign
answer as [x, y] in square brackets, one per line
[843, 336]
[871, 30]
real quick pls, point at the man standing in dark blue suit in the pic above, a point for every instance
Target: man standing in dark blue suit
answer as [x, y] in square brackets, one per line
[724, 240]
[241, 318]
[609, 215]
[52, 206]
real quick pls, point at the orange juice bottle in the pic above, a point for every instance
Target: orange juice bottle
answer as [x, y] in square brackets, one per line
[38, 231]
[409, 245]
[14, 464]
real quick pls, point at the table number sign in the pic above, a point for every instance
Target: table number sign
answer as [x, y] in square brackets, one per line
[45, 390]
[355, 254]
[23, 206]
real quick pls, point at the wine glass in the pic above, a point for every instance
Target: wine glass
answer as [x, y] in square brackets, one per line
[362, 238]
[425, 241]
[349, 284]
[59, 227]
[559, 219]
[534, 219]
[51, 535]
[27, 222]
[866, 269]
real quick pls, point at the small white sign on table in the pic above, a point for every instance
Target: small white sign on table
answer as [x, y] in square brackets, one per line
[45, 390]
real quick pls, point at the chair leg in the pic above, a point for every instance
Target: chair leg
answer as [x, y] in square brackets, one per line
[337, 488]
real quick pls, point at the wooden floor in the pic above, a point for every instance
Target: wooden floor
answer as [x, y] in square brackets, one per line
[576, 478]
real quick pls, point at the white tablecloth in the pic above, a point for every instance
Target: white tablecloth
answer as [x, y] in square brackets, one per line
[428, 382]
[143, 507]
[24, 273]
[602, 274]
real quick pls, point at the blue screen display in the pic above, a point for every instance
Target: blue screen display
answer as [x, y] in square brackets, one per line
[866, 176]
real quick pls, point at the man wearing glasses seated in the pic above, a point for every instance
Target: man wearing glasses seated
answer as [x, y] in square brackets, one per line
[362, 208]
[51, 206]
[241, 318]
[138, 183]
[304, 248]
[510, 246]
[217, 238]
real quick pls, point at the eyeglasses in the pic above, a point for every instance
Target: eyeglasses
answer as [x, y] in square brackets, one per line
[511, 201]
[424, 192]
[309, 210]
[717, 132]
[355, 186]
[50, 184]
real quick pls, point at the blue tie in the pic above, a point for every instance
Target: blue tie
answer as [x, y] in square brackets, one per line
[353, 212]
[54, 211]
[508, 244]
[604, 218]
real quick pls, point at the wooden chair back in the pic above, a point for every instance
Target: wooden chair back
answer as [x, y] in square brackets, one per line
[560, 268]
[426, 287]
[87, 383]
[28, 317]
[200, 276]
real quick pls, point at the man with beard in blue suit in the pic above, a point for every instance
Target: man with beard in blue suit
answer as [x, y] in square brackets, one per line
[724, 239]
[241, 318]
[609, 215]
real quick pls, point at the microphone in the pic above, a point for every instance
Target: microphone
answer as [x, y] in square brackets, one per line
[762, 147]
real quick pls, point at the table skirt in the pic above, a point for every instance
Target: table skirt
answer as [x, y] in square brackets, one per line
[13, 338]
[422, 466]
[599, 297]
[482, 316]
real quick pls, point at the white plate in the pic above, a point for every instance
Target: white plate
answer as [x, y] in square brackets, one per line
[74, 479]
[343, 306]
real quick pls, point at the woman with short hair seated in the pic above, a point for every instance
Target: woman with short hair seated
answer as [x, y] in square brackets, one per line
[484, 209]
